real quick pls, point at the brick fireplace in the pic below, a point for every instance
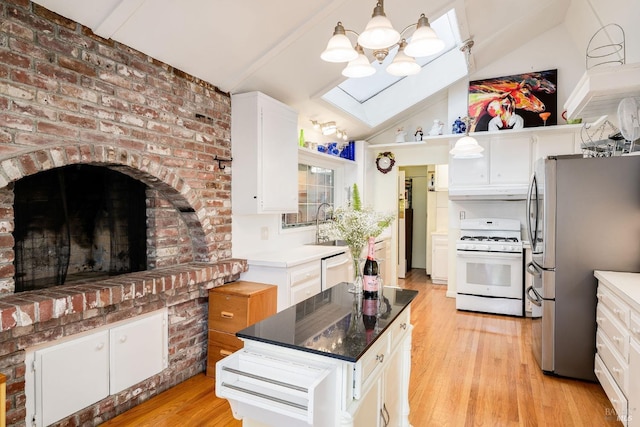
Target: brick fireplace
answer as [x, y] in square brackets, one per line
[70, 99]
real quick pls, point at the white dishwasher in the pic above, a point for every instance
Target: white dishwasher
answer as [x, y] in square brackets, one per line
[336, 269]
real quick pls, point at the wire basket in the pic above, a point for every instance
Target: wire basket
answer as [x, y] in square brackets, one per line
[601, 140]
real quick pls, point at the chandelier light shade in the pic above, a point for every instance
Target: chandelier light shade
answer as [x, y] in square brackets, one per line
[359, 67]
[339, 47]
[380, 37]
[379, 33]
[403, 64]
[424, 41]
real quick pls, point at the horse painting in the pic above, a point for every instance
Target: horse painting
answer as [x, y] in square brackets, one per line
[513, 102]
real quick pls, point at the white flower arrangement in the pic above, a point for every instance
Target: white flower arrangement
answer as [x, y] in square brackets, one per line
[355, 224]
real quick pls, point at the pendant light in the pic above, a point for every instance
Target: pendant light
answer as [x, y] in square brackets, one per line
[467, 147]
[380, 37]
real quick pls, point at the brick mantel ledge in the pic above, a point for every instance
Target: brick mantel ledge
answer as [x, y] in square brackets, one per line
[29, 308]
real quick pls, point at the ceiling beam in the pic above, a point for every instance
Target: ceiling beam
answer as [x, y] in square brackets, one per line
[117, 18]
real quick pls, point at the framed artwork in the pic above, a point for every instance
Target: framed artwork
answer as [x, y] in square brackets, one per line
[514, 102]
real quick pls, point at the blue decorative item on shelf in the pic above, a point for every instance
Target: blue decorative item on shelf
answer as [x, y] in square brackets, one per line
[459, 126]
[332, 149]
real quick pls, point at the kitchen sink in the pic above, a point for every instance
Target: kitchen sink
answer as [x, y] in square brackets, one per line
[330, 243]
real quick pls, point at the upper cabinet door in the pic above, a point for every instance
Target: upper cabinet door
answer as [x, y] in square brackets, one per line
[264, 147]
[510, 160]
[279, 179]
[470, 172]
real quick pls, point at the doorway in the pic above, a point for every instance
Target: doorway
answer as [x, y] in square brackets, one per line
[426, 212]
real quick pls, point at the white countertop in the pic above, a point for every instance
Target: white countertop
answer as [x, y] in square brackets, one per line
[293, 256]
[625, 285]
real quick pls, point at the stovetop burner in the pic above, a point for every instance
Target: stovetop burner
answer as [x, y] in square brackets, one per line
[490, 239]
[490, 235]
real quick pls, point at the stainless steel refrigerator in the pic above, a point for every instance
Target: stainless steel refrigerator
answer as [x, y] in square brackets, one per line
[583, 215]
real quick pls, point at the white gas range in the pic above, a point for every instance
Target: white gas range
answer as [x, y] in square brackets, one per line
[489, 266]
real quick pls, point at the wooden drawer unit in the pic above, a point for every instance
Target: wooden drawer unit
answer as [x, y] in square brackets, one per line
[233, 307]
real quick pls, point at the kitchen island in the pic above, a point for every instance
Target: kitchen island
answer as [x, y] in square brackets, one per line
[323, 362]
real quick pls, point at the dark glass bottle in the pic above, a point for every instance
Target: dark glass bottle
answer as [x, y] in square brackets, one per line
[370, 272]
[369, 317]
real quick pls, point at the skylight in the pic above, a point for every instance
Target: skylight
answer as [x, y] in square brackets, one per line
[379, 97]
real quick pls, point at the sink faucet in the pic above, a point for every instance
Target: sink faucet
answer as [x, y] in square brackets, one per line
[318, 219]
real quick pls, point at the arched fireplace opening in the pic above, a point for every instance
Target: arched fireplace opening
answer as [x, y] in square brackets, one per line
[77, 222]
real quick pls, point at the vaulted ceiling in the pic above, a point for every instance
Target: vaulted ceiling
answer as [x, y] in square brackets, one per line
[274, 46]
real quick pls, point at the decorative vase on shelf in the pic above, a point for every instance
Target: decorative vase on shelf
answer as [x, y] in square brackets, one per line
[459, 126]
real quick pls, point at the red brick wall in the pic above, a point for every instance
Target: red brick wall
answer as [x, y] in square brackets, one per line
[67, 97]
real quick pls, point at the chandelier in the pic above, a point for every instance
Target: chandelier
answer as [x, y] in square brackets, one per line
[380, 37]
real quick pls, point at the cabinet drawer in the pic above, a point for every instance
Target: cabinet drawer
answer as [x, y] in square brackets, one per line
[279, 386]
[618, 307]
[400, 328]
[304, 273]
[228, 313]
[220, 345]
[375, 357]
[613, 392]
[302, 292]
[615, 331]
[634, 328]
[617, 367]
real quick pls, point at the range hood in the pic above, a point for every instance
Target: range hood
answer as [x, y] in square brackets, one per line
[601, 89]
[489, 192]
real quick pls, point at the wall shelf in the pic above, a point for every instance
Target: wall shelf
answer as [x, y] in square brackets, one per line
[314, 154]
[444, 139]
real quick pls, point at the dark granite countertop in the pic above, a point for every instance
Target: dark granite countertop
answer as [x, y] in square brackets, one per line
[331, 323]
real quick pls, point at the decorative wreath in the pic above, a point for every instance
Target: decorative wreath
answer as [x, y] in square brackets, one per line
[385, 161]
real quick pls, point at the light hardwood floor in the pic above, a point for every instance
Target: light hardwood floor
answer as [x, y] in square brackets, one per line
[468, 369]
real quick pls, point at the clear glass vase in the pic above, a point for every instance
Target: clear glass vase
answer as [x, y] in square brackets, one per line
[357, 271]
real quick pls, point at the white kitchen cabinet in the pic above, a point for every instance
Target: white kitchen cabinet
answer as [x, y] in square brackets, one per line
[470, 172]
[439, 258]
[510, 160]
[70, 376]
[503, 171]
[442, 178]
[295, 283]
[634, 370]
[264, 146]
[304, 281]
[138, 350]
[617, 364]
[554, 144]
[79, 371]
[268, 385]
[384, 401]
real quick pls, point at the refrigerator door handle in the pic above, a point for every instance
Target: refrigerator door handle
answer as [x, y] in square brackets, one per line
[533, 270]
[536, 298]
[530, 231]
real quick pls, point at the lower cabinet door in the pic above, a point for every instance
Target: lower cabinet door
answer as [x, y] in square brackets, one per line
[393, 383]
[71, 376]
[369, 412]
[138, 351]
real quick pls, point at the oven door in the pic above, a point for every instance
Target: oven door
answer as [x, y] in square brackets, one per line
[491, 274]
